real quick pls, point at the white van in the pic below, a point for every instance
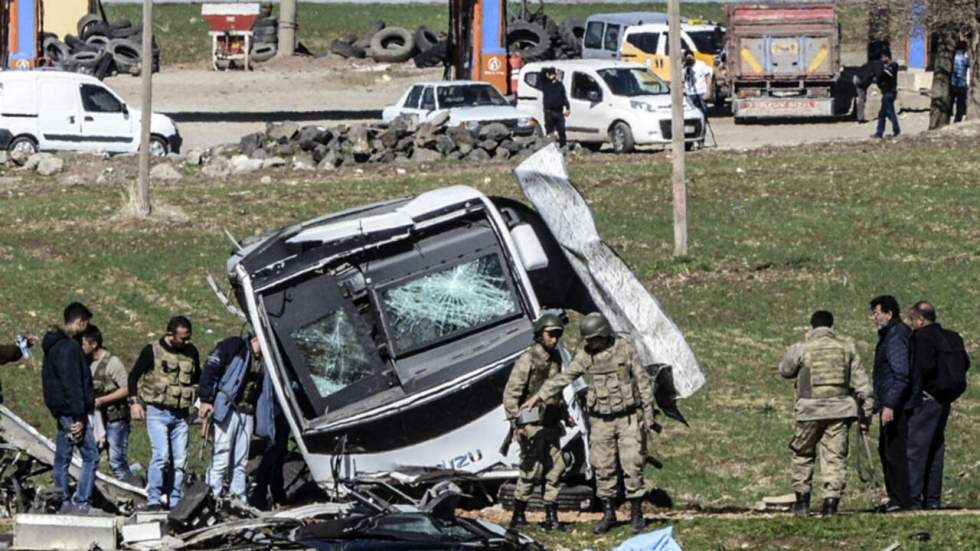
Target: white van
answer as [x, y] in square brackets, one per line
[47, 110]
[614, 102]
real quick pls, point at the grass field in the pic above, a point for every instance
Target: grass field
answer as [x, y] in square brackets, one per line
[775, 234]
[183, 37]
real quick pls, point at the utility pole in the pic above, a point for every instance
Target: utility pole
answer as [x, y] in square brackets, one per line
[677, 129]
[140, 196]
[287, 28]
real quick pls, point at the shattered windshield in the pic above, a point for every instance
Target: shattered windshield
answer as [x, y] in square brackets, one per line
[633, 82]
[468, 95]
[332, 352]
[426, 310]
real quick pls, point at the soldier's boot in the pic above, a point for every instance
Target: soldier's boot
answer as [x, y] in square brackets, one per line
[608, 518]
[802, 506]
[637, 524]
[830, 506]
[551, 518]
[518, 520]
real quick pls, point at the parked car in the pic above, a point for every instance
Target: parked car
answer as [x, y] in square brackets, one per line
[469, 103]
[46, 110]
[649, 44]
[623, 104]
[604, 32]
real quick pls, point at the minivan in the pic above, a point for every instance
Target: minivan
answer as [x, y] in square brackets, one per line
[623, 104]
[46, 110]
[604, 31]
[649, 45]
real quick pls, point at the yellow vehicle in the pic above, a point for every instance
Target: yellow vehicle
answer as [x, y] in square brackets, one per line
[649, 44]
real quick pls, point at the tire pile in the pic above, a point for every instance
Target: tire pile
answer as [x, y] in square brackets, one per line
[265, 36]
[402, 140]
[395, 45]
[101, 48]
[541, 38]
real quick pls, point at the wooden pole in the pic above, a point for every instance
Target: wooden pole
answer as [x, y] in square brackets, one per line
[141, 194]
[677, 129]
[287, 28]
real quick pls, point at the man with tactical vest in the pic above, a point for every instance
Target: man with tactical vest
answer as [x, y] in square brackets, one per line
[619, 401]
[830, 387]
[236, 392]
[539, 438]
[165, 379]
[110, 382]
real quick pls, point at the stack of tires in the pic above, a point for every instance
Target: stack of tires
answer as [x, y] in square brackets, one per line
[541, 38]
[265, 36]
[394, 45]
[100, 48]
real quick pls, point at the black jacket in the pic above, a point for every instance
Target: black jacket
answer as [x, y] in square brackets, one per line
[887, 77]
[553, 97]
[896, 383]
[65, 377]
[9, 353]
[926, 343]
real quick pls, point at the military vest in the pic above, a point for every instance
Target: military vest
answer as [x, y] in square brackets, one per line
[825, 358]
[103, 384]
[172, 382]
[611, 387]
[543, 367]
[252, 385]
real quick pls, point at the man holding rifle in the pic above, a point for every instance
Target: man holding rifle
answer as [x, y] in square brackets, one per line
[831, 385]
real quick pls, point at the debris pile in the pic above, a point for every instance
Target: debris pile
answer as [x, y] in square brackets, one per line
[403, 140]
[395, 45]
[540, 37]
[101, 48]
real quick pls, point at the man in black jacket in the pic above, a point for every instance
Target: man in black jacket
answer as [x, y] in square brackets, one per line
[554, 101]
[887, 79]
[927, 425]
[897, 391]
[68, 393]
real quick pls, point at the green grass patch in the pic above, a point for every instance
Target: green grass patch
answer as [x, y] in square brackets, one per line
[775, 234]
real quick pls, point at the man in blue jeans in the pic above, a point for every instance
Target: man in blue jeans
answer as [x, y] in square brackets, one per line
[887, 79]
[169, 369]
[959, 85]
[68, 394]
[110, 381]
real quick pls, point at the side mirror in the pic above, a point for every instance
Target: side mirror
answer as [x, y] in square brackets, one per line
[529, 248]
[125, 110]
[593, 96]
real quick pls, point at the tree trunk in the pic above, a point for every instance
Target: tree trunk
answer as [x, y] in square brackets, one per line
[879, 26]
[941, 107]
[973, 97]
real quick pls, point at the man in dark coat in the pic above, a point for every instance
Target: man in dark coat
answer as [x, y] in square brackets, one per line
[897, 393]
[68, 392]
[554, 101]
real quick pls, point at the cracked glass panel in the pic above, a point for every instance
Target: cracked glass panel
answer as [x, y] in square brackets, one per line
[332, 352]
[461, 298]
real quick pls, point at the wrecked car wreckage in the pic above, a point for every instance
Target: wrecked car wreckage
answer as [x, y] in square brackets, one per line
[389, 332]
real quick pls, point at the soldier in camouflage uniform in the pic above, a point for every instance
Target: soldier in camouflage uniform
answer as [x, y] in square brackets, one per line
[829, 378]
[620, 405]
[110, 382]
[165, 379]
[541, 459]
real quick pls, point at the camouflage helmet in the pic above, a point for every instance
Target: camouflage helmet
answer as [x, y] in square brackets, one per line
[548, 322]
[595, 325]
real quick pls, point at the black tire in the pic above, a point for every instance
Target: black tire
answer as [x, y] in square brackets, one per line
[70, 39]
[529, 40]
[262, 52]
[392, 45]
[104, 68]
[376, 27]
[87, 59]
[55, 50]
[265, 23]
[120, 24]
[346, 50]
[99, 42]
[425, 39]
[621, 137]
[95, 29]
[126, 52]
[85, 21]
[23, 142]
[432, 57]
[266, 34]
[570, 498]
[125, 32]
[156, 143]
[86, 47]
[571, 32]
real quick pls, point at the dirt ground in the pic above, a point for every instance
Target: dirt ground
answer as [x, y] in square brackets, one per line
[320, 91]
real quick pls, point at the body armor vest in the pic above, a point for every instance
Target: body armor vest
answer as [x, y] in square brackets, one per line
[543, 367]
[826, 360]
[103, 384]
[171, 383]
[252, 385]
[611, 390]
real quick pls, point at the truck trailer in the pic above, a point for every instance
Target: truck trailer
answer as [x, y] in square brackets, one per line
[782, 60]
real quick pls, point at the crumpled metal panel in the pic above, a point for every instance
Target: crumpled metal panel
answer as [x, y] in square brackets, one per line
[628, 305]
